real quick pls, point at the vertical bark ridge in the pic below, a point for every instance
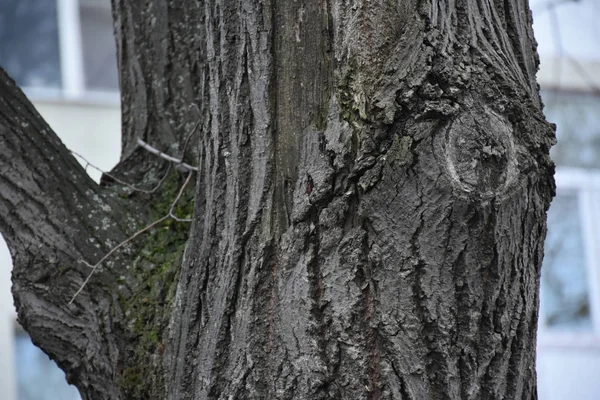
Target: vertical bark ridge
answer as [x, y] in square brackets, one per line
[232, 194]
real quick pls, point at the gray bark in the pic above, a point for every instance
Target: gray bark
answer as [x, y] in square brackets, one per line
[369, 209]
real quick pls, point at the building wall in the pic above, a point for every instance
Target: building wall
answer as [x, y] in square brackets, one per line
[91, 129]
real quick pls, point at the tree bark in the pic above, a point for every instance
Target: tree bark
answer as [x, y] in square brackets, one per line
[368, 216]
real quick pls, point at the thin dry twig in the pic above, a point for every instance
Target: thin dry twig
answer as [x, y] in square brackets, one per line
[153, 151]
[137, 189]
[132, 237]
[187, 139]
[123, 243]
[159, 153]
[170, 214]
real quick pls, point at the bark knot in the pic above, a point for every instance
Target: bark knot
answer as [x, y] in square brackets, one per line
[479, 153]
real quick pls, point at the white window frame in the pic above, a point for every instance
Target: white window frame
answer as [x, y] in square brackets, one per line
[73, 88]
[586, 185]
[71, 52]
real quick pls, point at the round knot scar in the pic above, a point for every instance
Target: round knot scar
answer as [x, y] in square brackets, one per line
[480, 153]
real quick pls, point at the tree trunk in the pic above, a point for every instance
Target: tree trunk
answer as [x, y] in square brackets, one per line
[368, 217]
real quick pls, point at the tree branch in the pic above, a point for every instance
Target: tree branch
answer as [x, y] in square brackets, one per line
[52, 215]
[166, 156]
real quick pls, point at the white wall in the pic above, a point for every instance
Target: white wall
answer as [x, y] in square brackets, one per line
[567, 28]
[567, 33]
[89, 129]
[569, 374]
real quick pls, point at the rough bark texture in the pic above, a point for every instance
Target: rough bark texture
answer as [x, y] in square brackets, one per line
[369, 211]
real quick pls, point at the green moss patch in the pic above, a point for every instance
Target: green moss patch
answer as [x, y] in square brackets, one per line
[153, 283]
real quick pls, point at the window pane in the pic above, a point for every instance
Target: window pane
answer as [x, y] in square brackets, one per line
[29, 49]
[577, 116]
[38, 377]
[99, 51]
[564, 295]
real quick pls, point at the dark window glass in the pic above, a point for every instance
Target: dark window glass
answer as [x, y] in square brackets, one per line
[577, 118]
[565, 301]
[38, 377]
[99, 51]
[29, 49]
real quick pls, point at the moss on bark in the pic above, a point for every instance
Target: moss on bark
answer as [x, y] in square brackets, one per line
[146, 311]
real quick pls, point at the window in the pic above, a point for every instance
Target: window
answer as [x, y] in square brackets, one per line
[565, 293]
[59, 48]
[29, 49]
[98, 45]
[570, 287]
[38, 377]
[577, 116]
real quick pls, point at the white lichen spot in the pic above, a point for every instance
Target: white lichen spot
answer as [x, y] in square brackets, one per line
[106, 223]
[97, 198]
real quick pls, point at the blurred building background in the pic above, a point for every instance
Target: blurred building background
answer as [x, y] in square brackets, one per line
[62, 53]
[568, 33]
